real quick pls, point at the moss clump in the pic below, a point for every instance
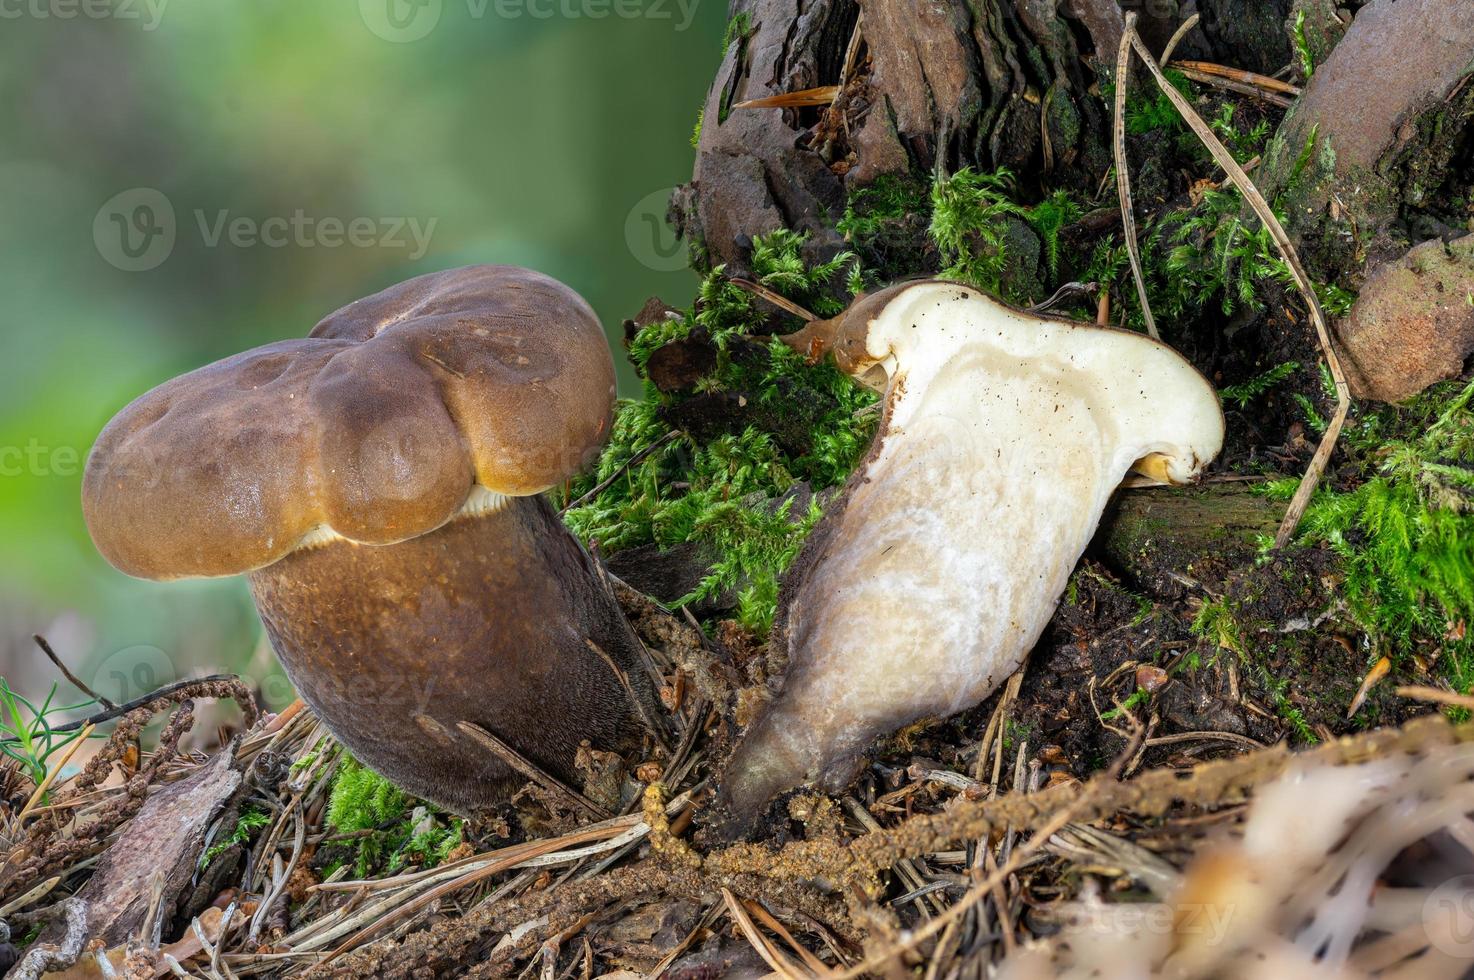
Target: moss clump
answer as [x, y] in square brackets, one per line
[250, 820]
[1148, 110]
[886, 224]
[1405, 534]
[969, 224]
[796, 424]
[391, 828]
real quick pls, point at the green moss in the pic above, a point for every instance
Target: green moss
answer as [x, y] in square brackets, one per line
[1278, 689]
[874, 210]
[739, 29]
[1405, 535]
[969, 224]
[1216, 623]
[1148, 110]
[1247, 391]
[696, 130]
[723, 490]
[1302, 47]
[1244, 144]
[1050, 217]
[251, 819]
[394, 828]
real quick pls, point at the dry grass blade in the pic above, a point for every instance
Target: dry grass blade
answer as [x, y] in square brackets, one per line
[702, 925]
[762, 915]
[75, 681]
[526, 768]
[782, 302]
[30, 897]
[1252, 79]
[634, 460]
[1435, 695]
[1372, 678]
[822, 95]
[1123, 173]
[772, 955]
[974, 895]
[55, 770]
[1287, 251]
[1229, 84]
[1177, 37]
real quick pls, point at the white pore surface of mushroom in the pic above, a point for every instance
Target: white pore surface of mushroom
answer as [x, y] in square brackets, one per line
[1003, 437]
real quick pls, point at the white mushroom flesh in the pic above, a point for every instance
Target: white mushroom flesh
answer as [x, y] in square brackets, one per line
[1004, 437]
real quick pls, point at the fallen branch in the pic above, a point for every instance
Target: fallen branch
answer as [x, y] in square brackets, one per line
[44, 958]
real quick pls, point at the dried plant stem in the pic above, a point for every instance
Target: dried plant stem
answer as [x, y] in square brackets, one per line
[782, 302]
[44, 958]
[71, 677]
[776, 959]
[1436, 696]
[1302, 280]
[54, 771]
[821, 96]
[988, 885]
[528, 769]
[1252, 80]
[1177, 37]
[634, 460]
[1123, 173]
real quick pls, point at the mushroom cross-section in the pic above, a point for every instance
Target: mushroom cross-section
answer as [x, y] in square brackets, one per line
[379, 484]
[1002, 439]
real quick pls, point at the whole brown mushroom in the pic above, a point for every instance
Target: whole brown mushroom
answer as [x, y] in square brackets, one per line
[379, 482]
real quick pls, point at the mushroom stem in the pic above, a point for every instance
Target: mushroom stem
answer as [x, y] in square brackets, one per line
[389, 645]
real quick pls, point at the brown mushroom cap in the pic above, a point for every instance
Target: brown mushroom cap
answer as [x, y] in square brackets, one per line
[377, 428]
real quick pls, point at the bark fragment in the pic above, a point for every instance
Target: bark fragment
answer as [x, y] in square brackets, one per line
[167, 835]
[1377, 130]
[1413, 323]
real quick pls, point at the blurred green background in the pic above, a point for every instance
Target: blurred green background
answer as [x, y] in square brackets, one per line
[545, 133]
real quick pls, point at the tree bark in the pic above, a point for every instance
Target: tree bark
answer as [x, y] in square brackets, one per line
[923, 87]
[996, 83]
[1379, 143]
